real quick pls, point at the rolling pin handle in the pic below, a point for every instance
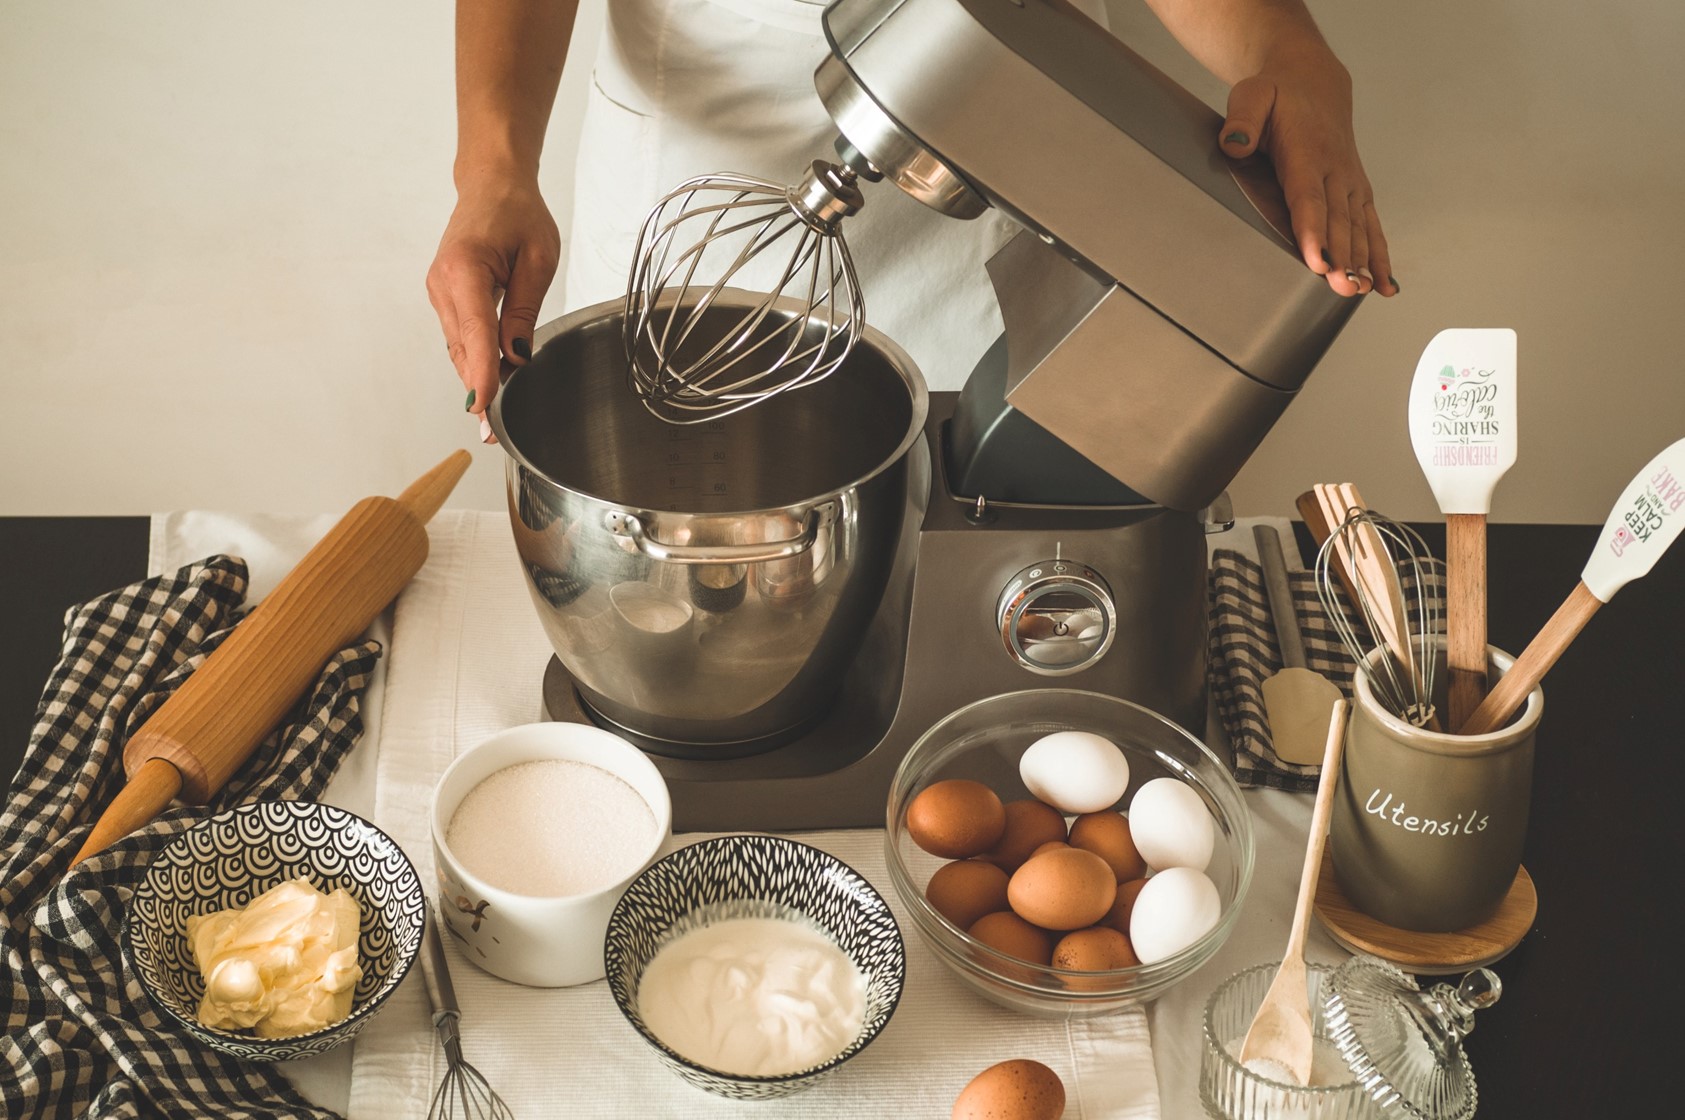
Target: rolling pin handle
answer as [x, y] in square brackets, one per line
[149, 791]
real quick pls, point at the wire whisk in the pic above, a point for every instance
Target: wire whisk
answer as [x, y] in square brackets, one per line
[690, 361]
[463, 1093]
[1397, 581]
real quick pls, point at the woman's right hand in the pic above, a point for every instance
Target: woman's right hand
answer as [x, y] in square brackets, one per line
[495, 261]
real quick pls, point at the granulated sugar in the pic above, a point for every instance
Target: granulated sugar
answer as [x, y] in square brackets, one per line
[1328, 1068]
[551, 828]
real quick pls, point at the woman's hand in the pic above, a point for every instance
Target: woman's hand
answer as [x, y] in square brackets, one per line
[501, 246]
[1297, 109]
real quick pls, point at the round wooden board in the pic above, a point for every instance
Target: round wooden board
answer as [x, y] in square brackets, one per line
[1427, 953]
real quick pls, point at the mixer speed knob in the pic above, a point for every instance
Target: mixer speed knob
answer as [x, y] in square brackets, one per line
[1057, 617]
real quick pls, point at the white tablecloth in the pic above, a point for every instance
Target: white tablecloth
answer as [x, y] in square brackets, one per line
[465, 659]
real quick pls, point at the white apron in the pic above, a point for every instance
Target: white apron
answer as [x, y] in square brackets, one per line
[691, 87]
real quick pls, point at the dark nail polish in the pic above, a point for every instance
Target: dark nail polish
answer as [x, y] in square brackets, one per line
[1393, 280]
[469, 406]
[1238, 139]
[522, 348]
[1326, 259]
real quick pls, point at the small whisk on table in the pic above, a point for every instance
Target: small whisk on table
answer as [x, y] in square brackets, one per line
[464, 1093]
[1397, 582]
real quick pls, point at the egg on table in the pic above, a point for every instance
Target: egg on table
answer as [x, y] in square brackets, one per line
[1170, 825]
[1075, 771]
[1019, 1089]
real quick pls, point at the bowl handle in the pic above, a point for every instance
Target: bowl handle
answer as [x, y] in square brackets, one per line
[629, 528]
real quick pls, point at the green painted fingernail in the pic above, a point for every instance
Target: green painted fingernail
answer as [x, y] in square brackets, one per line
[469, 407]
[1237, 138]
[1326, 259]
[522, 348]
[1393, 280]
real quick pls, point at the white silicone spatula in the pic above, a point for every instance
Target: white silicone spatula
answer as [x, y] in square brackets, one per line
[1646, 519]
[1281, 1027]
[1462, 425]
[1297, 699]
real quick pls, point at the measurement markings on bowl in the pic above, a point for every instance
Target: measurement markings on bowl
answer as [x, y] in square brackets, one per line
[697, 462]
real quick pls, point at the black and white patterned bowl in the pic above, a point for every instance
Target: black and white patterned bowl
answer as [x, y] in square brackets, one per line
[231, 858]
[754, 877]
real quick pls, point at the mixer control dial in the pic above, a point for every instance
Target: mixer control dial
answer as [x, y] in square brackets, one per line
[1057, 617]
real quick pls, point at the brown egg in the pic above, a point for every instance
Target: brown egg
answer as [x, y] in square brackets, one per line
[1029, 825]
[1066, 888]
[965, 890]
[1016, 1090]
[1118, 916]
[956, 819]
[1050, 846]
[1006, 932]
[1106, 834]
[1095, 949]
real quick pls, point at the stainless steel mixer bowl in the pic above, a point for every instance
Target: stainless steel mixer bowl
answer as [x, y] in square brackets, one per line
[707, 585]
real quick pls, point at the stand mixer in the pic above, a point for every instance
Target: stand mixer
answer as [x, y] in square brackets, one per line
[1158, 321]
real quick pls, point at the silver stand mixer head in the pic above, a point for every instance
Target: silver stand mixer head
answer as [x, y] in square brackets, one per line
[1158, 317]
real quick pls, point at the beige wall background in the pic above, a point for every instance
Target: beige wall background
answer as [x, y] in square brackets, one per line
[215, 219]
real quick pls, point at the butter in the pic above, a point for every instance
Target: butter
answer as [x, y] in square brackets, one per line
[284, 964]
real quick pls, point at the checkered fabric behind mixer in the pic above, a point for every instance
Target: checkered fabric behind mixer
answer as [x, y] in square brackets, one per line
[1244, 654]
[80, 1037]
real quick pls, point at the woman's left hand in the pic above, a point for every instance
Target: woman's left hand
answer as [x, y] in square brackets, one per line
[1298, 110]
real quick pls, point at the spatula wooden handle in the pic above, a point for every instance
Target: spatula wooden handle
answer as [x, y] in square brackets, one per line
[1535, 661]
[1465, 614]
[208, 728]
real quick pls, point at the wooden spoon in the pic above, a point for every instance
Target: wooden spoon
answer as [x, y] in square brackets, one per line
[1281, 1028]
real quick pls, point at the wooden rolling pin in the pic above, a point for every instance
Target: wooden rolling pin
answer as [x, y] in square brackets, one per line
[202, 734]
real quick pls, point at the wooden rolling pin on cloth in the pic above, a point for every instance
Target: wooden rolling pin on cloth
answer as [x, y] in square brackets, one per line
[202, 734]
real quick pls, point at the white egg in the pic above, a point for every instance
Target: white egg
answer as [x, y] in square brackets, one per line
[1171, 826]
[1075, 771]
[1176, 908]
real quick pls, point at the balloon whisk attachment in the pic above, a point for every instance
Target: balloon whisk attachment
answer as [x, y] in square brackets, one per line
[688, 358]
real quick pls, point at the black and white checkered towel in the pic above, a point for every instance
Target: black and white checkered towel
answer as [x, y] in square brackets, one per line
[1244, 653]
[81, 1038]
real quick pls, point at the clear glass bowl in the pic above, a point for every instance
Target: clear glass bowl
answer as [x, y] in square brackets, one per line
[983, 741]
[1230, 1091]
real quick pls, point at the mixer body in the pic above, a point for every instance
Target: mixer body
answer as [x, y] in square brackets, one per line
[1158, 317]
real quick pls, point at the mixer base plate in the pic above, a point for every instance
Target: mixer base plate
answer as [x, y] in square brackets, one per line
[834, 776]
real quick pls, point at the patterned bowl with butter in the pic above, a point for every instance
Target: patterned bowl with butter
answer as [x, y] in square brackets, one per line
[754, 876]
[226, 861]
